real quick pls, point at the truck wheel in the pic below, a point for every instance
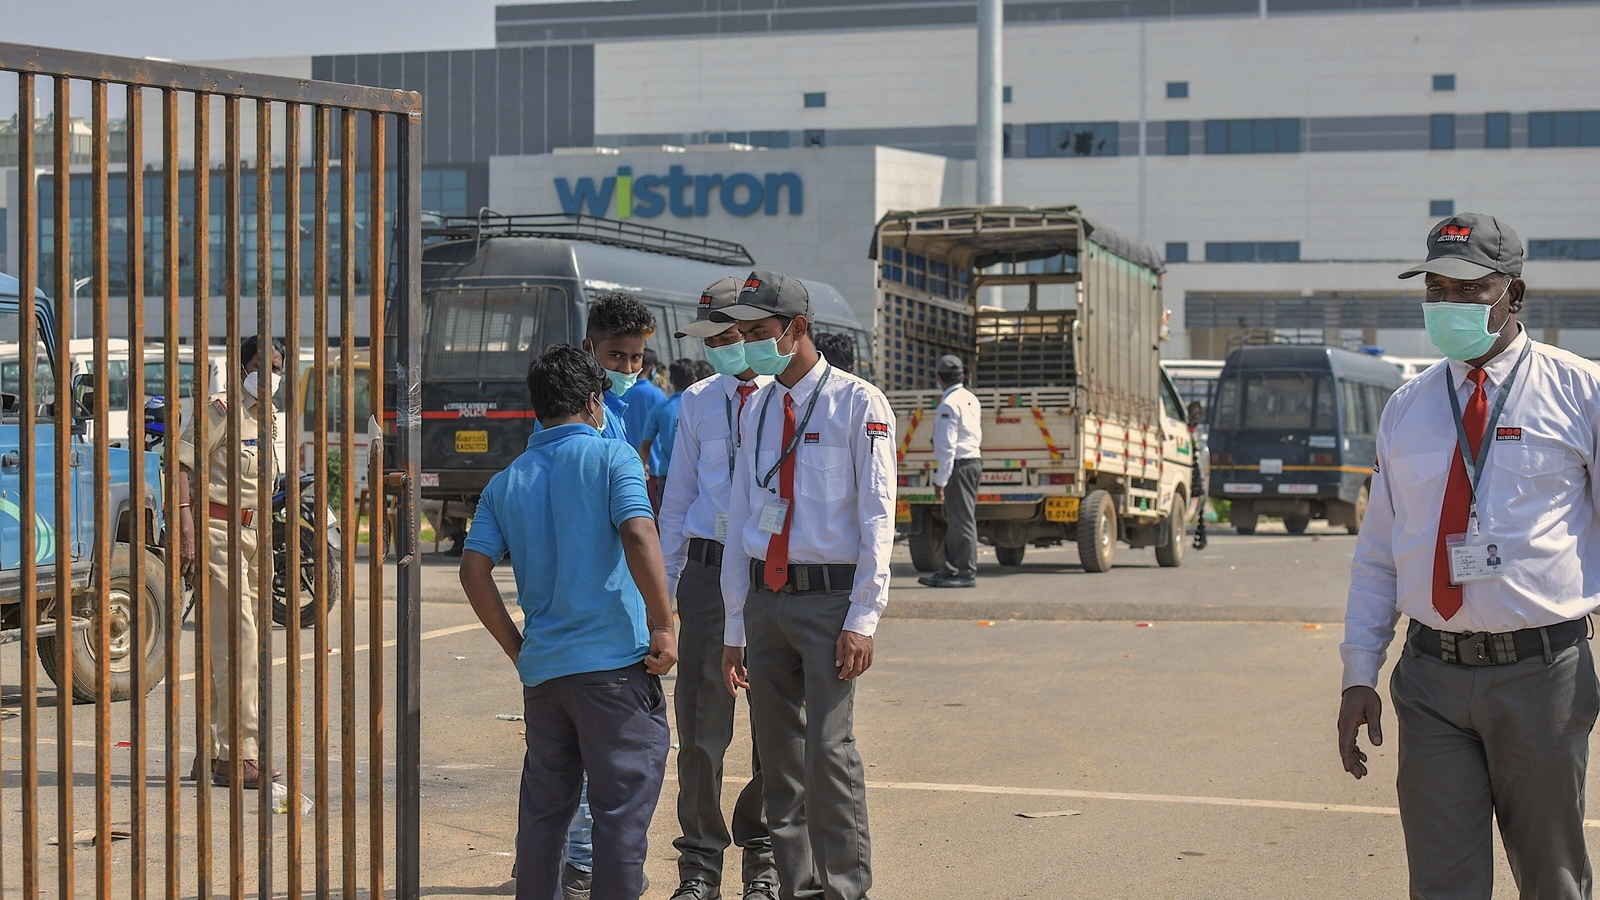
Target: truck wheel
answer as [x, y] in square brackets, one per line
[1170, 555]
[1097, 532]
[1296, 524]
[306, 601]
[1010, 556]
[927, 547]
[80, 645]
[1360, 512]
[1244, 524]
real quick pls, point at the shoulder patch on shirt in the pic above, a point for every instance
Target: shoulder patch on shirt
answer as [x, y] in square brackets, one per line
[1507, 434]
[877, 430]
[217, 402]
[813, 437]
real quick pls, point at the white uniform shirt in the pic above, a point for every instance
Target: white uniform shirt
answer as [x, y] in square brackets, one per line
[957, 431]
[1538, 501]
[696, 494]
[844, 486]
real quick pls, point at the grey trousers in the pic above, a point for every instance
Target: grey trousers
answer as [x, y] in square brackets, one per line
[803, 717]
[1504, 742]
[705, 729]
[612, 725]
[961, 518]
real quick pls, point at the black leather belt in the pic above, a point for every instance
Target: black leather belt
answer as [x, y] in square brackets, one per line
[705, 552]
[807, 579]
[1484, 648]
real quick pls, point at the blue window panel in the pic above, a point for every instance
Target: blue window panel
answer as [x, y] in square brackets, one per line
[1242, 252]
[1264, 137]
[1241, 135]
[1567, 129]
[1177, 90]
[1038, 140]
[1178, 138]
[1442, 131]
[1216, 252]
[1177, 251]
[1216, 136]
[1289, 251]
[1288, 135]
[1441, 208]
[816, 99]
[1005, 94]
[780, 140]
[1541, 129]
[1589, 129]
[1497, 131]
[1444, 82]
[1575, 248]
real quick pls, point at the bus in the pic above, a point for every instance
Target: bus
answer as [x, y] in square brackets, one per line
[497, 288]
[1293, 433]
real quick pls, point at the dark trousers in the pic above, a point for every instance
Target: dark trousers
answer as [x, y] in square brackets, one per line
[612, 725]
[803, 717]
[961, 518]
[705, 729]
[1498, 743]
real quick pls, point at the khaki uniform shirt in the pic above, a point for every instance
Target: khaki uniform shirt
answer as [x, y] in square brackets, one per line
[254, 453]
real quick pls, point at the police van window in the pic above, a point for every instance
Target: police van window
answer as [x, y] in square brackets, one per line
[332, 399]
[481, 334]
[1353, 402]
[1290, 401]
[1377, 398]
[1169, 398]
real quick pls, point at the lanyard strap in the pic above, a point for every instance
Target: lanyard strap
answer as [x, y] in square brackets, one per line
[799, 430]
[1475, 465]
[732, 444]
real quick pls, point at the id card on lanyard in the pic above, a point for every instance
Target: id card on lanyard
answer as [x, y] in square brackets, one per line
[775, 510]
[1475, 556]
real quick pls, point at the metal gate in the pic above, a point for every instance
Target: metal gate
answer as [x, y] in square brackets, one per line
[302, 226]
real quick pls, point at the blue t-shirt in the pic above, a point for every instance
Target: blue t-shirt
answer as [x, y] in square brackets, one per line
[616, 412]
[643, 398]
[556, 511]
[662, 432]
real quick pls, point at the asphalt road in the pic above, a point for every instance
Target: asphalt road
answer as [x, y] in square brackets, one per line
[1185, 716]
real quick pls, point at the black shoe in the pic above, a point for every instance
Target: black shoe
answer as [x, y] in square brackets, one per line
[928, 580]
[697, 889]
[456, 546]
[954, 581]
[575, 883]
[760, 890]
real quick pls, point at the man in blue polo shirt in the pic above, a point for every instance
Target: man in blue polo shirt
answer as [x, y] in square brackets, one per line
[573, 515]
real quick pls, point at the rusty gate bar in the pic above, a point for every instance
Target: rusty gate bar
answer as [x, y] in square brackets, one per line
[137, 797]
[27, 336]
[66, 879]
[171, 280]
[102, 549]
[347, 499]
[201, 515]
[376, 231]
[319, 318]
[291, 443]
[408, 579]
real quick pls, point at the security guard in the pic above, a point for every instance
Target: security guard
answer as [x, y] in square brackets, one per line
[262, 374]
[957, 437]
[694, 530]
[1483, 531]
[805, 578]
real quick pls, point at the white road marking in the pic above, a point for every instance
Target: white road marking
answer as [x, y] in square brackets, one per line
[361, 648]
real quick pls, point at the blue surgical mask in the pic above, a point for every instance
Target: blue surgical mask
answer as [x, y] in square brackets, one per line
[1461, 330]
[728, 359]
[763, 356]
[620, 383]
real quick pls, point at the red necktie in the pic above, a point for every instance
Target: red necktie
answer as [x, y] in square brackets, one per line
[777, 574]
[745, 390]
[1458, 498]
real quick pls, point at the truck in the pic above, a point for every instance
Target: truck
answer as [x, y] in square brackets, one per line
[65, 624]
[1059, 323]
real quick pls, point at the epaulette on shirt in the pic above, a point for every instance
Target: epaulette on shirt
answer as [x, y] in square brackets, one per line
[220, 405]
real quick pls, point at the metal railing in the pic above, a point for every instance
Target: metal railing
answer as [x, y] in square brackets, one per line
[101, 526]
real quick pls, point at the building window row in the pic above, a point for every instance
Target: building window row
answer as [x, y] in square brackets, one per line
[1564, 129]
[1566, 248]
[1252, 135]
[1056, 139]
[1252, 251]
[774, 140]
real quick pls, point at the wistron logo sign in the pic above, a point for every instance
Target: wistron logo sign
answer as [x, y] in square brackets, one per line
[685, 196]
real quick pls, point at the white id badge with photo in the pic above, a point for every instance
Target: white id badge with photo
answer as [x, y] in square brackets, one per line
[722, 528]
[773, 514]
[1475, 557]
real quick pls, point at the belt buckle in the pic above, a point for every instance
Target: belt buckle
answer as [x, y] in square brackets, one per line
[1473, 649]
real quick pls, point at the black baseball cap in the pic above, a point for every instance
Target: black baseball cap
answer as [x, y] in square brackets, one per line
[720, 294]
[950, 364]
[765, 294]
[1470, 246]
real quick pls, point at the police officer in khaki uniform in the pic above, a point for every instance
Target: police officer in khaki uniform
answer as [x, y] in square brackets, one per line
[261, 376]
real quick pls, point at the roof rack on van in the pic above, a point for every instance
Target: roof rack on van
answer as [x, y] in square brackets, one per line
[490, 224]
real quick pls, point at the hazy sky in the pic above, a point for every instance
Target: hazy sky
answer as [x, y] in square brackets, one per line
[217, 29]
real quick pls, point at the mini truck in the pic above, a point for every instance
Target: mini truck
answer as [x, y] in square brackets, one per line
[1084, 438]
[76, 647]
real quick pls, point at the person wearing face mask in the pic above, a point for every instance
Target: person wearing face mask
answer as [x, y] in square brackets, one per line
[1494, 688]
[805, 578]
[694, 529]
[262, 365]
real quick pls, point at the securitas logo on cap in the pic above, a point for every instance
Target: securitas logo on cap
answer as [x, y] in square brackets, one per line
[1458, 233]
[750, 284]
[705, 301]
